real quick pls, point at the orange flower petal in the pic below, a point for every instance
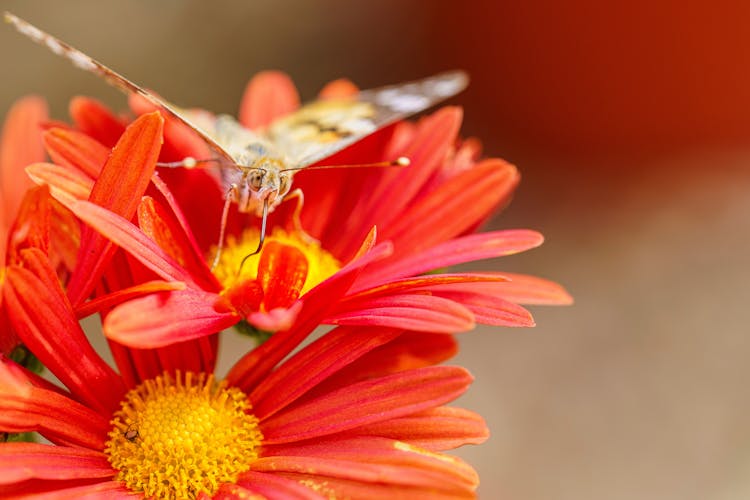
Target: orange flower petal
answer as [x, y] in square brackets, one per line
[165, 318]
[269, 95]
[524, 289]
[161, 226]
[112, 299]
[410, 311]
[367, 402]
[441, 428]
[245, 297]
[179, 139]
[282, 272]
[31, 227]
[65, 183]
[24, 461]
[487, 309]
[74, 149]
[368, 460]
[452, 252]
[36, 306]
[454, 207]
[331, 352]
[128, 236]
[119, 188]
[338, 89]
[435, 135]
[256, 364]
[268, 485]
[408, 351]
[20, 145]
[280, 318]
[95, 119]
[425, 283]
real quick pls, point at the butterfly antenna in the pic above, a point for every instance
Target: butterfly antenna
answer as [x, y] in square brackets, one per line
[188, 162]
[262, 237]
[401, 161]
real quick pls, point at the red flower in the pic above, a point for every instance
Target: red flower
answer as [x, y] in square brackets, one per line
[356, 413]
[424, 216]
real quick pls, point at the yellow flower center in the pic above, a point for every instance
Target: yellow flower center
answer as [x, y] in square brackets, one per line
[176, 437]
[321, 264]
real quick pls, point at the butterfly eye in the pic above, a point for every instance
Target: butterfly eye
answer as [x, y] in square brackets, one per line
[256, 180]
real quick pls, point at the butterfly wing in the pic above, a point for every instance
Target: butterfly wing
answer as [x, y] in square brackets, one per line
[321, 128]
[82, 61]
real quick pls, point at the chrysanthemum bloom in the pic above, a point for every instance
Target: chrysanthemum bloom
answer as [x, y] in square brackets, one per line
[356, 414]
[424, 215]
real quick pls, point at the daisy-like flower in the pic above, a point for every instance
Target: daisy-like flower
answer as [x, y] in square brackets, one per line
[357, 413]
[424, 215]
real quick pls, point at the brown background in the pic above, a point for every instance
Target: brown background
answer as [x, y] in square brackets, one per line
[631, 126]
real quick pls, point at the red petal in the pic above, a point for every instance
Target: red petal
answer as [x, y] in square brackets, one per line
[313, 364]
[338, 89]
[166, 318]
[410, 312]
[255, 366]
[245, 297]
[83, 489]
[119, 188]
[161, 226]
[488, 309]
[373, 461]
[177, 212]
[70, 148]
[20, 145]
[441, 428]
[118, 297]
[409, 351]
[95, 119]
[31, 227]
[26, 407]
[271, 486]
[455, 207]
[524, 289]
[282, 272]
[378, 486]
[457, 251]
[275, 320]
[65, 183]
[367, 402]
[435, 135]
[179, 139]
[269, 95]
[22, 461]
[429, 282]
[124, 234]
[45, 322]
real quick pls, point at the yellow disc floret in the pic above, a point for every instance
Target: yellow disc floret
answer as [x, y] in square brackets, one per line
[176, 437]
[321, 264]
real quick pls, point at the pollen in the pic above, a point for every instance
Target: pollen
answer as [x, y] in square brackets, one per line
[320, 263]
[178, 437]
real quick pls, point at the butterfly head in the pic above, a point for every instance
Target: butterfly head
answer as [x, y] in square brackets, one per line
[264, 183]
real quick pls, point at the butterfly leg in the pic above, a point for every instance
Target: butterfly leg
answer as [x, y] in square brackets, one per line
[297, 215]
[228, 197]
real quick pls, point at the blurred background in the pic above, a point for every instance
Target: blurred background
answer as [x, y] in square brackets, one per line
[630, 123]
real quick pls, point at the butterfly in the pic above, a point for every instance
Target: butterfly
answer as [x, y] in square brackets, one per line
[256, 166]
